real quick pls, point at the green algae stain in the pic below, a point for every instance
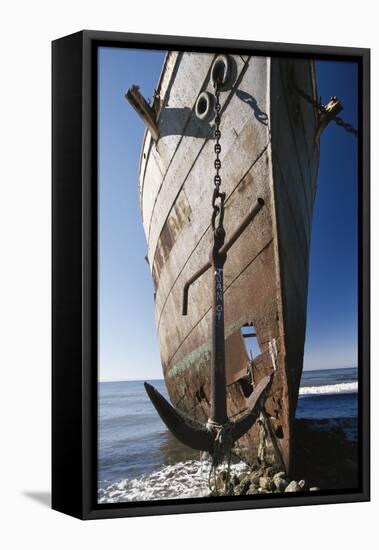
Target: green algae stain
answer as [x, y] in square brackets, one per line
[199, 358]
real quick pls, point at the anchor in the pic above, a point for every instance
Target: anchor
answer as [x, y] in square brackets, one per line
[219, 434]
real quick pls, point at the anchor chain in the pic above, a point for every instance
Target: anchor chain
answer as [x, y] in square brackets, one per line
[321, 108]
[218, 197]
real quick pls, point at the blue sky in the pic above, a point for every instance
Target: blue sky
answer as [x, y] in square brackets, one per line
[128, 344]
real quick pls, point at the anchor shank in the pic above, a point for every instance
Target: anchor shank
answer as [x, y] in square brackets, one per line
[218, 379]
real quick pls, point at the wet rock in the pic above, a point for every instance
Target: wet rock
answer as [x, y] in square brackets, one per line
[252, 491]
[270, 471]
[235, 480]
[244, 487]
[223, 475]
[280, 483]
[293, 487]
[266, 483]
[314, 489]
[255, 477]
[229, 489]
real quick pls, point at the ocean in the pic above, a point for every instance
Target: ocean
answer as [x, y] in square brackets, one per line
[139, 459]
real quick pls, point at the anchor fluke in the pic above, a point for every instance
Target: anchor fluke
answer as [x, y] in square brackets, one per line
[198, 436]
[184, 428]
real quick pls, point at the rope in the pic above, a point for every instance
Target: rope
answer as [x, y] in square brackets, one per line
[262, 440]
[223, 444]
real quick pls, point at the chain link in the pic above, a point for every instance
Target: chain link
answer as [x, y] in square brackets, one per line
[218, 198]
[348, 127]
[321, 108]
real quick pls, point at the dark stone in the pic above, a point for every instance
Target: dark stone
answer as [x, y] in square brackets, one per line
[235, 480]
[255, 477]
[223, 475]
[280, 483]
[270, 471]
[244, 486]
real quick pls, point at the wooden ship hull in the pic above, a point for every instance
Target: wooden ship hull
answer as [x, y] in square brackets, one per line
[269, 151]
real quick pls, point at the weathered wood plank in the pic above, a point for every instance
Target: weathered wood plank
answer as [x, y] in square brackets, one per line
[255, 238]
[304, 146]
[239, 140]
[186, 155]
[179, 103]
[244, 181]
[168, 70]
[294, 171]
[289, 172]
[154, 177]
[171, 60]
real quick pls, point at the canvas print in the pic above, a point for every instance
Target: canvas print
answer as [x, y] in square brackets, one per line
[228, 275]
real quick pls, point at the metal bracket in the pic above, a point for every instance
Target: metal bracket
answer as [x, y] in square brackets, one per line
[327, 114]
[147, 113]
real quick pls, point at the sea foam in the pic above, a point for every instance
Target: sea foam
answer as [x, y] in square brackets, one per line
[187, 479]
[345, 387]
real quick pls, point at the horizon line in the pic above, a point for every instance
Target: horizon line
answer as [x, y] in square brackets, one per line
[158, 379]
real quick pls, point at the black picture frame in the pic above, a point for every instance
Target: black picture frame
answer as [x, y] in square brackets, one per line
[74, 273]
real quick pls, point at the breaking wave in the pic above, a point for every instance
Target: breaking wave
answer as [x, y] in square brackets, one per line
[188, 479]
[330, 389]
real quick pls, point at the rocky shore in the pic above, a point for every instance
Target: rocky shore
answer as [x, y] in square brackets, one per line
[324, 459]
[260, 480]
